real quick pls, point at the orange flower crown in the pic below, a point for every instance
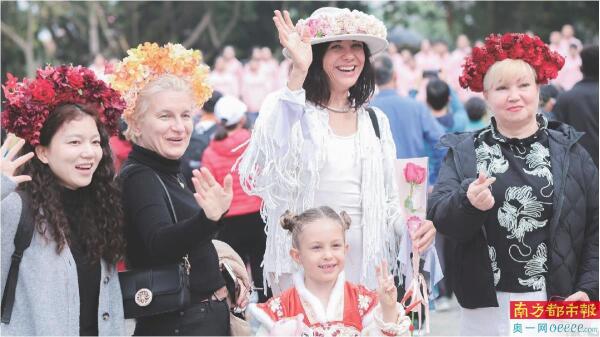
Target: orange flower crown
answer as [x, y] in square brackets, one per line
[149, 61]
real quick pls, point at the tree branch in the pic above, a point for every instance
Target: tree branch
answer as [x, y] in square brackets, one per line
[231, 23]
[94, 39]
[106, 31]
[217, 40]
[212, 33]
[10, 32]
[199, 29]
[123, 42]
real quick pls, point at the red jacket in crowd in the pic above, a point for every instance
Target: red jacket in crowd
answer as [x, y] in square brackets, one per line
[120, 149]
[218, 158]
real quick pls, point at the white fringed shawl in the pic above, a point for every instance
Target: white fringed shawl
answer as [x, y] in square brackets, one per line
[281, 165]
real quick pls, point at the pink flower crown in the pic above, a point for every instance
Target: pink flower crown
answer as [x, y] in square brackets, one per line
[532, 50]
[30, 102]
[148, 62]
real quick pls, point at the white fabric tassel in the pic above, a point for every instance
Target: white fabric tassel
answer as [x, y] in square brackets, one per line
[281, 165]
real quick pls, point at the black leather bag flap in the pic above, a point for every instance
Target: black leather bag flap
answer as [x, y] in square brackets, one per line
[163, 280]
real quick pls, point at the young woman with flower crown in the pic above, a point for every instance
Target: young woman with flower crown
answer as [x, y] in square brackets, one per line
[322, 302]
[520, 197]
[67, 283]
[315, 143]
[162, 87]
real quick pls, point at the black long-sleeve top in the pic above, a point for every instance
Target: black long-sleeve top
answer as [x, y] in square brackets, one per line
[153, 238]
[88, 271]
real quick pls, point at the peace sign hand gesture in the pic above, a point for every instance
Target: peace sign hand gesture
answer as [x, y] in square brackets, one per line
[297, 43]
[8, 166]
[387, 292]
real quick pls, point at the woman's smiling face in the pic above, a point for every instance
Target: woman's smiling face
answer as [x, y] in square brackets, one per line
[167, 126]
[343, 63]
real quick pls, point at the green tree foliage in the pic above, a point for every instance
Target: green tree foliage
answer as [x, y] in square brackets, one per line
[477, 19]
[118, 26]
[79, 29]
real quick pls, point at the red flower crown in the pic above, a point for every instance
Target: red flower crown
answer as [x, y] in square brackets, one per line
[30, 102]
[532, 50]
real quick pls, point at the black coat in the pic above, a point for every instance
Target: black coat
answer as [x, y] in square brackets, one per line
[573, 228]
[579, 107]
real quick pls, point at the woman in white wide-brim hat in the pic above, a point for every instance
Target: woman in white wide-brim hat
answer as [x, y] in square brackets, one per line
[315, 143]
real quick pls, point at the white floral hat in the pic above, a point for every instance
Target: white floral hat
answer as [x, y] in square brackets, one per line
[333, 24]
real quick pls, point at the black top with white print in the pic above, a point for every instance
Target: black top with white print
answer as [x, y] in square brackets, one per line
[517, 224]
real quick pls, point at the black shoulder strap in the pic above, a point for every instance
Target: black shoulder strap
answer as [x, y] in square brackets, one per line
[374, 121]
[168, 197]
[130, 165]
[126, 168]
[22, 241]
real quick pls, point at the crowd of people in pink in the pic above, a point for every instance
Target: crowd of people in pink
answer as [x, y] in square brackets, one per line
[251, 80]
[262, 73]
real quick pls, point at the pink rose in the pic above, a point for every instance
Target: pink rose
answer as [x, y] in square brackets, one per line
[312, 26]
[413, 223]
[414, 173]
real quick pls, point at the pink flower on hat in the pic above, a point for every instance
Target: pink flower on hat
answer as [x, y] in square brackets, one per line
[344, 21]
[312, 26]
[326, 24]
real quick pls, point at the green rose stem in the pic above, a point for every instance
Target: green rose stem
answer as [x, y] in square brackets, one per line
[408, 201]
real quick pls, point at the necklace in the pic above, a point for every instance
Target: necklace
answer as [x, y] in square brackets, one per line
[180, 181]
[338, 110]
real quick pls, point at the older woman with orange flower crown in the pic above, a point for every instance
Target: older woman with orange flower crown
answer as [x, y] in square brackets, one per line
[518, 198]
[165, 220]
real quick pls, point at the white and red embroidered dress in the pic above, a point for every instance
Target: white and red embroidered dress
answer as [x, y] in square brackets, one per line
[352, 310]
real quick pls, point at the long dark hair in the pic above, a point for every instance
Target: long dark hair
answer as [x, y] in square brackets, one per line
[101, 216]
[316, 83]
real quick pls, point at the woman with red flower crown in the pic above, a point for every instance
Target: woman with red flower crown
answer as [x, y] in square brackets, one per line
[62, 178]
[518, 198]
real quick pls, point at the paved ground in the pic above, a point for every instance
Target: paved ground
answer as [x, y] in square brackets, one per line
[445, 323]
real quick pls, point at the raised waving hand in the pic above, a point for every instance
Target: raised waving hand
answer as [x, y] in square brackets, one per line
[298, 47]
[8, 165]
[213, 198]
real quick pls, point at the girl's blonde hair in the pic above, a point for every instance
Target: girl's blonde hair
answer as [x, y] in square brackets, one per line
[142, 105]
[501, 71]
[295, 223]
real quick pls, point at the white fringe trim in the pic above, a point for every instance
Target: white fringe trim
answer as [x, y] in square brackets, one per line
[260, 316]
[284, 172]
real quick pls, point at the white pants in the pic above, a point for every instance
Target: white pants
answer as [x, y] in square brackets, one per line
[494, 321]
[354, 256]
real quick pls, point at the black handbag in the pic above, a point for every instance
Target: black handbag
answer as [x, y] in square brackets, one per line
[156, 290]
